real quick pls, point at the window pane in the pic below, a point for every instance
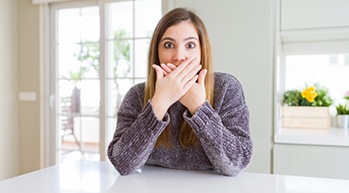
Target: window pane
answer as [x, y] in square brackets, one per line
[68, 63]
[90, 134]
[144, 26]
[140, 80]
[68, 25]
[90, 97]
[69, 133]
[117, 89]
[69, 97]
[88, 56]
[328, 70]
[111, 129]
[89, 24]
[77, 61]
[78, 25]
[120, 59]
[141, 57]
[121, 20]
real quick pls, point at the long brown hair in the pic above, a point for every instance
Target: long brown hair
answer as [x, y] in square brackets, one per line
[187, 136]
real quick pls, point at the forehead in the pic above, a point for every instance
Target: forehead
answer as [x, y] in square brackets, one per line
[181, 30]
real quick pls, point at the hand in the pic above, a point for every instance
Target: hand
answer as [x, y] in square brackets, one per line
[196, 95]
[171, 88]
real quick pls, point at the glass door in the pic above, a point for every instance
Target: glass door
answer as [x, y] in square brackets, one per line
[99, 50]
[77, 81]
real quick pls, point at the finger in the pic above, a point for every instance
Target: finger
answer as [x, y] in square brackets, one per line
[194, 71]
[159, 73]
[171, 66]
[190, 83]
[182, 66]
[201, 79]
[166, 69]
[187, 70]
[164, 73]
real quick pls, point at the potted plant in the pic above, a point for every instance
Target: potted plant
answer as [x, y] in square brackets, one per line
[308, 108]
[342, 116]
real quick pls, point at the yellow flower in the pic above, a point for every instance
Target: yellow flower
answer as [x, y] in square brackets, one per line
[304, 93]
[309, 94]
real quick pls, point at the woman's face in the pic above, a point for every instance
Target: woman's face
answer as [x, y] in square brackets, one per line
[179, 43]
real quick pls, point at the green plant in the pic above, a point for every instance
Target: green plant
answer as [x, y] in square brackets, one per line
[342, 110]
[292, 98]
[322, 99]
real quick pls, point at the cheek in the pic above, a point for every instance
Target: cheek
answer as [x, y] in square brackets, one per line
[197, 53]
[165, 56]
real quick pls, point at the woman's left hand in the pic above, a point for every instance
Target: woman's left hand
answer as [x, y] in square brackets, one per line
[196, 95]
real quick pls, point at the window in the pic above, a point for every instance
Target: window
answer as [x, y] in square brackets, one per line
[330, 70]
[308, 62]
[93, 71]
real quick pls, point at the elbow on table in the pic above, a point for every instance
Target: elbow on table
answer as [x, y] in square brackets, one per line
[237, 166]
[122, 169]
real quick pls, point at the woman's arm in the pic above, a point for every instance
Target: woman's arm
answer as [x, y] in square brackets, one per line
[225, 135]
[136, 133]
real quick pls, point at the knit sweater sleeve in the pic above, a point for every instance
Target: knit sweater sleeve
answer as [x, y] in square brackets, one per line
[225, 134]
[136, 133]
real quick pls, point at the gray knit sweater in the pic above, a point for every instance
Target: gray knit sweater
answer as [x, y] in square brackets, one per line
[222, 128]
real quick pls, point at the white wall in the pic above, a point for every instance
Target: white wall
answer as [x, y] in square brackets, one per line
[9, 166]
[241, 35]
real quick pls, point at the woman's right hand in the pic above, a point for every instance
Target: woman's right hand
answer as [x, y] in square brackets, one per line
[171, 88]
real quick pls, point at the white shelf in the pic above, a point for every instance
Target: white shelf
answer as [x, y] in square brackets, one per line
[327, 137]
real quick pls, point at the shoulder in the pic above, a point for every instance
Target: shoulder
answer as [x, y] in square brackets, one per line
[228, 93]
[137, 88]
[227, 81]
[136, 92]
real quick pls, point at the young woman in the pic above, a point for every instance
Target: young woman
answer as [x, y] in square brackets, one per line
[185, 116]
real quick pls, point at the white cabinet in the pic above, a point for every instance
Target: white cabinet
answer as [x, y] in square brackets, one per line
[313, 20]
[309, 160]
[310, 14]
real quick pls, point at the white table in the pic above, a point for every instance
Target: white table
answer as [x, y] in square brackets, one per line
[87, 176]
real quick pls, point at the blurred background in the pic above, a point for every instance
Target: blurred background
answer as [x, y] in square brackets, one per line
[66, 65]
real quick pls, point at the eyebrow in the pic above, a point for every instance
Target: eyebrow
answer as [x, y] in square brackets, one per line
[171, 39]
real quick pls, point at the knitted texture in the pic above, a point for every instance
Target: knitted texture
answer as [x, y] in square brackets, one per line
[222, 128]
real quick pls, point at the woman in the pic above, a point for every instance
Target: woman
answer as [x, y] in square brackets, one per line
[182, 117]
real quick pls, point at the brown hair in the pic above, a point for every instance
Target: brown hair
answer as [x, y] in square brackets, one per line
[187, 136]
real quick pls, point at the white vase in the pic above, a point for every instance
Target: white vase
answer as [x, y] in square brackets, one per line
[342, 121]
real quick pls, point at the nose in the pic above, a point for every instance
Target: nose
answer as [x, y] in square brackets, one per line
[179, 56]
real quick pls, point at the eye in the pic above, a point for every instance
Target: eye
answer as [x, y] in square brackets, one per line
[191, 45]
[168, 45]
